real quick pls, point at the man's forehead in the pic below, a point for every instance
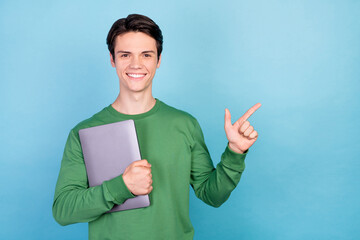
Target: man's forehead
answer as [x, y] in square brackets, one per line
[136, 41]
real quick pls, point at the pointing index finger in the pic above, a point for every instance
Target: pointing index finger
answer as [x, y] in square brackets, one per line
[249, 113]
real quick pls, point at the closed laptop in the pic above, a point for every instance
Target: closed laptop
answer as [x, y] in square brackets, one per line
[108, 149]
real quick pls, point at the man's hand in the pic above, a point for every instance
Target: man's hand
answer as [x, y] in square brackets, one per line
[241, 135]
[137, 177]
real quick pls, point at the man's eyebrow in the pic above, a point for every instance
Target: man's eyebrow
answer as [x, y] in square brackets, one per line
[149, 51]
[120, 51]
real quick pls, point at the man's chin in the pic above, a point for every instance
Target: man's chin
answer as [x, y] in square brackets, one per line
[139, 89]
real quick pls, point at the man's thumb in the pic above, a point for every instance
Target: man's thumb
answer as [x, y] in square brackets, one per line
[227, 118]
[143, 163]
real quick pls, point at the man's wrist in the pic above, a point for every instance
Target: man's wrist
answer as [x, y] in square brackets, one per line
[118, 189]
[235, 149]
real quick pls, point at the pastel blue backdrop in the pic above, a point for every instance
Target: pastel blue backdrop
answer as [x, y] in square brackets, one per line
[300, 59]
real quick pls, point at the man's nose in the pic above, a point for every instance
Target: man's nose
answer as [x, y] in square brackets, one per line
[135, 62]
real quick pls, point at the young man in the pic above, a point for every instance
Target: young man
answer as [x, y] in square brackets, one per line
[171, 143]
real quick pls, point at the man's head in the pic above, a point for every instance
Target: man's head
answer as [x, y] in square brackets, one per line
[134, 23]
[135, 45]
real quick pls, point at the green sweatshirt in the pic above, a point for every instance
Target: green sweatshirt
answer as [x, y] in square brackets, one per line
[173, 143]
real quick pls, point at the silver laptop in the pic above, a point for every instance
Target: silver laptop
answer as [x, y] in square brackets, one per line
[108, 149]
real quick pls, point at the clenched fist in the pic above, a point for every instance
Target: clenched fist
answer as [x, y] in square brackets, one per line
[137, 177]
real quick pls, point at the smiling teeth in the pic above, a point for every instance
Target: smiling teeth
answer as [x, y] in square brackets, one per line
[136, 75]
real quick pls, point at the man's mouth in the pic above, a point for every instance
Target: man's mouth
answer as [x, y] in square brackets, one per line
[136, 75]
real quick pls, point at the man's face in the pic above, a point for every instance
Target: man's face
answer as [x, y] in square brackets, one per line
[135, 61]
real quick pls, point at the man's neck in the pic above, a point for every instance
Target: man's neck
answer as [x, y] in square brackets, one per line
[134, 104]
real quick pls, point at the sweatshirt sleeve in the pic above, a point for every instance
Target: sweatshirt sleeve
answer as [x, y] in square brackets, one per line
[214, 185]
[74, 200]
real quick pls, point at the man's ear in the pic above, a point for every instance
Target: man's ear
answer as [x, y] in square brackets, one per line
[159, 61]
[112, 60]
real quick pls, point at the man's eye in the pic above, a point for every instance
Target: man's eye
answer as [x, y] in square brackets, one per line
[147, 55]
[124, 55]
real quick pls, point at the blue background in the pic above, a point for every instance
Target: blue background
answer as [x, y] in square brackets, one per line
[300, 59]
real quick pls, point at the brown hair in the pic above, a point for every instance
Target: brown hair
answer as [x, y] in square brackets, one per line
[134, 23]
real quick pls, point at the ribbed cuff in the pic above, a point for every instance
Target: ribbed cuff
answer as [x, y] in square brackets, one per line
[118, 190]
[233, 159]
